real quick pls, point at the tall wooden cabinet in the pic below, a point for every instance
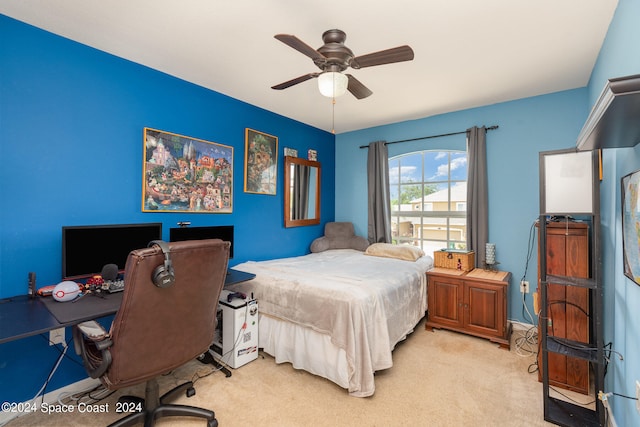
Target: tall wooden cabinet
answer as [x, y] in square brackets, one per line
[567, 254]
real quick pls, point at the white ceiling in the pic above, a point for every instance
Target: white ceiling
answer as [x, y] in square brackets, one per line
[468, 53]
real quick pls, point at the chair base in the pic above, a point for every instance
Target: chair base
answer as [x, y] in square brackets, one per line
[155, 407]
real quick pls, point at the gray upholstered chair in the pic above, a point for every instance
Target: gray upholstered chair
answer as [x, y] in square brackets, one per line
[339, 235]
[167, 318]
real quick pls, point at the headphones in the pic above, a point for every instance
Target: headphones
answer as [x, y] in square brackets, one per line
[163, 276]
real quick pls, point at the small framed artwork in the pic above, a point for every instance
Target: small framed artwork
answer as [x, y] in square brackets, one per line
[260, 162]
[313, 155]
[185, 174]
[290, 152]
[631, 226]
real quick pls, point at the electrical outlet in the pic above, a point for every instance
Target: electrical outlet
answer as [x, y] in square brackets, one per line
[524, 287]
[56, 336]
[638, 396]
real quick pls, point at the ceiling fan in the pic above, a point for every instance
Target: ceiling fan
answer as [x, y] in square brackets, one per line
[334, 57]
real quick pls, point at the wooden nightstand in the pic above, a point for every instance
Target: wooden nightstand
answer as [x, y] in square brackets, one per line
[473, 303]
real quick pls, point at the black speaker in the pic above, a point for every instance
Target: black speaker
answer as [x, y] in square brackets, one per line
[162, 275]
[32, 284]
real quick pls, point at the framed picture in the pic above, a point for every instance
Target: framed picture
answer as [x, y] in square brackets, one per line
[260, 162]
[290, 152]
[185, 174]
[631, 225]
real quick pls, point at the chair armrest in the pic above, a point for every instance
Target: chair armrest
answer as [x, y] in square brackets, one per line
[92, 342]
[93, 330]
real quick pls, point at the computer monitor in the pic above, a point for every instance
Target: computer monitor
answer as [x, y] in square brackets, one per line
[88, 248]
[222, 232]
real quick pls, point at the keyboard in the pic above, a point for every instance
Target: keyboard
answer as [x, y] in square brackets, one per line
[112, 286]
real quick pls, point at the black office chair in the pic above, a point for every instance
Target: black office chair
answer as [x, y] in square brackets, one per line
[167, 318]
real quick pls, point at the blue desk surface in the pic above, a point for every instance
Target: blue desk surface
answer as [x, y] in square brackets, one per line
[237, 276]
[22, 317]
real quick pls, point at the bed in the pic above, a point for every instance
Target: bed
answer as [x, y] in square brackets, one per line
[337, 313]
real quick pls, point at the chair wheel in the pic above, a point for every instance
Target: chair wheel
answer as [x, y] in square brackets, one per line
[206, 358]
[191, 392]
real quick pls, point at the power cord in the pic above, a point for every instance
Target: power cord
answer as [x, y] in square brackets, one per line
[224, 358]
[53, 370]
[51, 373]
[86, 395]
[604, 397]
[570, 399]
[69, 358]
[527, 344]
[240, 332]
[530, 248]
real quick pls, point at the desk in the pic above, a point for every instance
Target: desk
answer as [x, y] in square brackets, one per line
[22, 317]
[237, 276]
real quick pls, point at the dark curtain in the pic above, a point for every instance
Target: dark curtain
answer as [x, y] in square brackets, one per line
[379, 229]
[300, 192]
[477, 193]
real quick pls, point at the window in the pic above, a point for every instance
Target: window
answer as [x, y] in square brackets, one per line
[429, 199]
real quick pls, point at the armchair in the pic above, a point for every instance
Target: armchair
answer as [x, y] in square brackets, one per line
[167, 318]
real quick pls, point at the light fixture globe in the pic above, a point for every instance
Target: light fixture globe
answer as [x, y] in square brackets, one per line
[332, 84]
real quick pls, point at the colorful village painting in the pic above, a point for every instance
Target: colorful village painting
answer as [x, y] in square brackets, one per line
[183, 174]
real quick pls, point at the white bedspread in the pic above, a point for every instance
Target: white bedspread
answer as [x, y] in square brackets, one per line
[366, 304]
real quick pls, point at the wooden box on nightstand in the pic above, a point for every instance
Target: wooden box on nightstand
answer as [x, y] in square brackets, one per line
[473, 303]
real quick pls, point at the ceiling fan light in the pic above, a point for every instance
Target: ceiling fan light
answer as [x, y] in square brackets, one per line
[332, 84]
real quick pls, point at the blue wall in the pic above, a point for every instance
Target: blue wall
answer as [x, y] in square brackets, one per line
[526, 127]
[71, 123]
[619, 56]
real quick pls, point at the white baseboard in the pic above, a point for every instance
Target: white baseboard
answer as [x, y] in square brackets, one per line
[520, 326]
[50, 398]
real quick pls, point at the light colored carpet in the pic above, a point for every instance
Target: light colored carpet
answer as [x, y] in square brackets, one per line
[439, 378]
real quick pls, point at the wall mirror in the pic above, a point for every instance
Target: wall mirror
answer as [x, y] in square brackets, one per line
[301, 192]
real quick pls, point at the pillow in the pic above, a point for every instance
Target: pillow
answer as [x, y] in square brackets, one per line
[320, 244]
[339, 235]
[325, 243]
[388, 250]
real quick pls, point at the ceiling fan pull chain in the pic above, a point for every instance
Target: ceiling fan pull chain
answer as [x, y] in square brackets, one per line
[333, 115]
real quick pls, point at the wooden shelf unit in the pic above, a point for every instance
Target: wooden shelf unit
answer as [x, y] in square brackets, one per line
[567, 255]
[572, 349]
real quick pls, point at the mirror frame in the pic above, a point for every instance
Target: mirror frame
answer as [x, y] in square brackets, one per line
[288, 222]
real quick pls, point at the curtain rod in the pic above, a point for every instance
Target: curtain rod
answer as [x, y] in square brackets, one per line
[432, 136]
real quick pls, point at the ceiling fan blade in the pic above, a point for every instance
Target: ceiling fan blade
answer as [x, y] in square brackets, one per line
[294, 42]
[356, 88]
[388, 56]
[295, 81]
